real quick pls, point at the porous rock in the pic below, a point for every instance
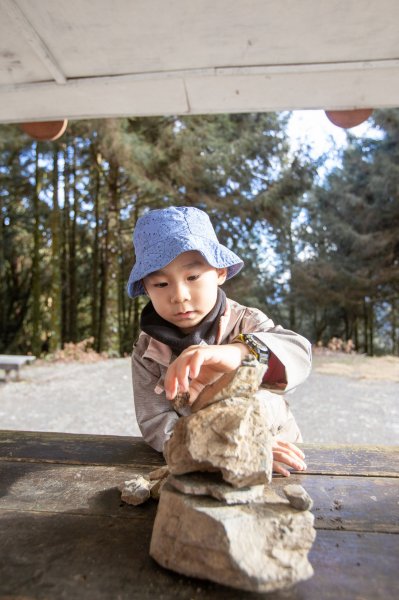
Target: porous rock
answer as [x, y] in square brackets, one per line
[135, 491]
[231, 436]
[256, 547]
[156, 487]
[159, 473]
[298, 497]
[243, 383]
[211, 484]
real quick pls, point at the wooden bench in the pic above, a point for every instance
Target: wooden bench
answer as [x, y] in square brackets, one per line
[11, 362]
[65, 533]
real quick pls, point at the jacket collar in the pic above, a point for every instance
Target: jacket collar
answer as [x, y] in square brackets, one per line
[162, 354]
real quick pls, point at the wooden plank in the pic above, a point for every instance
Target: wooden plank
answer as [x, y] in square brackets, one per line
[15, 359]
[343, 503]
[62, 556]
[352, 566]
[77, 449]
[66, 489]
[350, 503]
[373, 461]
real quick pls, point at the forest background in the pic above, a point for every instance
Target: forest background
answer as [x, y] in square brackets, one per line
[321, 252]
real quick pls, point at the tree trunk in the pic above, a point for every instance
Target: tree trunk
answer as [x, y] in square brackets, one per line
[73, 294]
[371, 329]
[65, 329]
[291, 259]
[356, 335]
[366, 327]
[96, 262]
[111, 326]
[394, 339]
[136, 302]
[55, 295]
[108, 337]
[36, 321]
[3, 287]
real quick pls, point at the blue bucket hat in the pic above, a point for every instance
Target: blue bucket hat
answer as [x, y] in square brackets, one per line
[161, 235]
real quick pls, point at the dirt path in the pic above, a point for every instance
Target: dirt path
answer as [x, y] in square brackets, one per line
[347, 399]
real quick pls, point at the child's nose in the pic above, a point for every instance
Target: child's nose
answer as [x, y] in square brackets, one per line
[180, 293]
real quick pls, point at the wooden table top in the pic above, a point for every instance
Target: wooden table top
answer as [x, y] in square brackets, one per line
[65, 533]
[14, 360]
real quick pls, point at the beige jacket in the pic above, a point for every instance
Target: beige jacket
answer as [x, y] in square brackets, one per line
[290, 365]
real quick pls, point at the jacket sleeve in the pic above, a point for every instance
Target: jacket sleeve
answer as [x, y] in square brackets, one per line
[155, 415]
[291, 354]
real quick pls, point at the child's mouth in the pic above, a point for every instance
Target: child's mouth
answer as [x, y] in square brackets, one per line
[185, 315]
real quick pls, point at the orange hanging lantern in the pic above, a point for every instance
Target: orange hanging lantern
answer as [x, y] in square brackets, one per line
[45, 131]
[348, 118]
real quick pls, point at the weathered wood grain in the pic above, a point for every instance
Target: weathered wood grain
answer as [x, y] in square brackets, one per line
[370, 461]
[375, 461]
[61, 556]
[342, 503]
[64, 533]
[350, 503]
[77, 449]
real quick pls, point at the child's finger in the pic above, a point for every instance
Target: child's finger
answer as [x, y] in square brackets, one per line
[196, 362]
[292, 461]
[171, 389]
[291, 447]
[182, 377]
[278, 468]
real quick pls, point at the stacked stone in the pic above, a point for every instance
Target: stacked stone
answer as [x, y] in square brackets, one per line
[218, 517]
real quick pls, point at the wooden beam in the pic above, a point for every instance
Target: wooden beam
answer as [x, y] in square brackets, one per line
[25, 27]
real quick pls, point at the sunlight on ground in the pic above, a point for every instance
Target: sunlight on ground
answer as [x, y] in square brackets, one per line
[358, 366]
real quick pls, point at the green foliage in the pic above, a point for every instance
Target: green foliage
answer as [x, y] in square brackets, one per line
[321, 259]
[353, 239]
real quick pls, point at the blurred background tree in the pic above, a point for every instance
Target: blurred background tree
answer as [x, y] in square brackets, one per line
[321, 254]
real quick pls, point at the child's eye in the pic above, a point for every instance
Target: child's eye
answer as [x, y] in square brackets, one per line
[160, 285]
[192, 277]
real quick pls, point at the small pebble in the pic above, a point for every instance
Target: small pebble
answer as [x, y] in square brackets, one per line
[298, 497]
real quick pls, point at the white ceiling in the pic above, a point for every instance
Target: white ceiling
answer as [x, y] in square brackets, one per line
[99, 58]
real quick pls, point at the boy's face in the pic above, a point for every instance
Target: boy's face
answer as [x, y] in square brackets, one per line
[185, 291]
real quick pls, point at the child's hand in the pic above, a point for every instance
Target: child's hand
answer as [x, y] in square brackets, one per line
[288, 454]
[203, 365]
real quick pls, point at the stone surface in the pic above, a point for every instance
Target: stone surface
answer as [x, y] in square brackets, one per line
[231, 436]
[135, 491]
[159, 473]
[298, 497]
[181, 400]
[256, 547]
[156, 488]
[242, 383]
[211, 484]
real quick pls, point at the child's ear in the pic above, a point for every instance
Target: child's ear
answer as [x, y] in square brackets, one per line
[222, 275]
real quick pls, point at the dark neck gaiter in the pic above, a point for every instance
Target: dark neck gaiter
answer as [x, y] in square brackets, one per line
[172, 336]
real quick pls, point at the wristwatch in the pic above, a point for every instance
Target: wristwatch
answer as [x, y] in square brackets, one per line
[255, 346]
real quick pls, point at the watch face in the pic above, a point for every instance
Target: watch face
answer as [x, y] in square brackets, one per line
[261, 350]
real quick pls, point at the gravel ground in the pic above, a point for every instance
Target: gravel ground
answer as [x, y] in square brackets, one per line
[97, 398]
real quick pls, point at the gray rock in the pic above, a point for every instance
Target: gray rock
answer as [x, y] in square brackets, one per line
[211, 484]
[298, 497]
[159, 473]
[136, 490]
[244, 382]
[156, 487]
[231, 436]
[255, 547]
[181, 400]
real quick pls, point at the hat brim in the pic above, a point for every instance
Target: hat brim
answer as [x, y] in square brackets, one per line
[161, 254]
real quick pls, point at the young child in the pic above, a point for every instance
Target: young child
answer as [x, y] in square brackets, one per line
[192, 334]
